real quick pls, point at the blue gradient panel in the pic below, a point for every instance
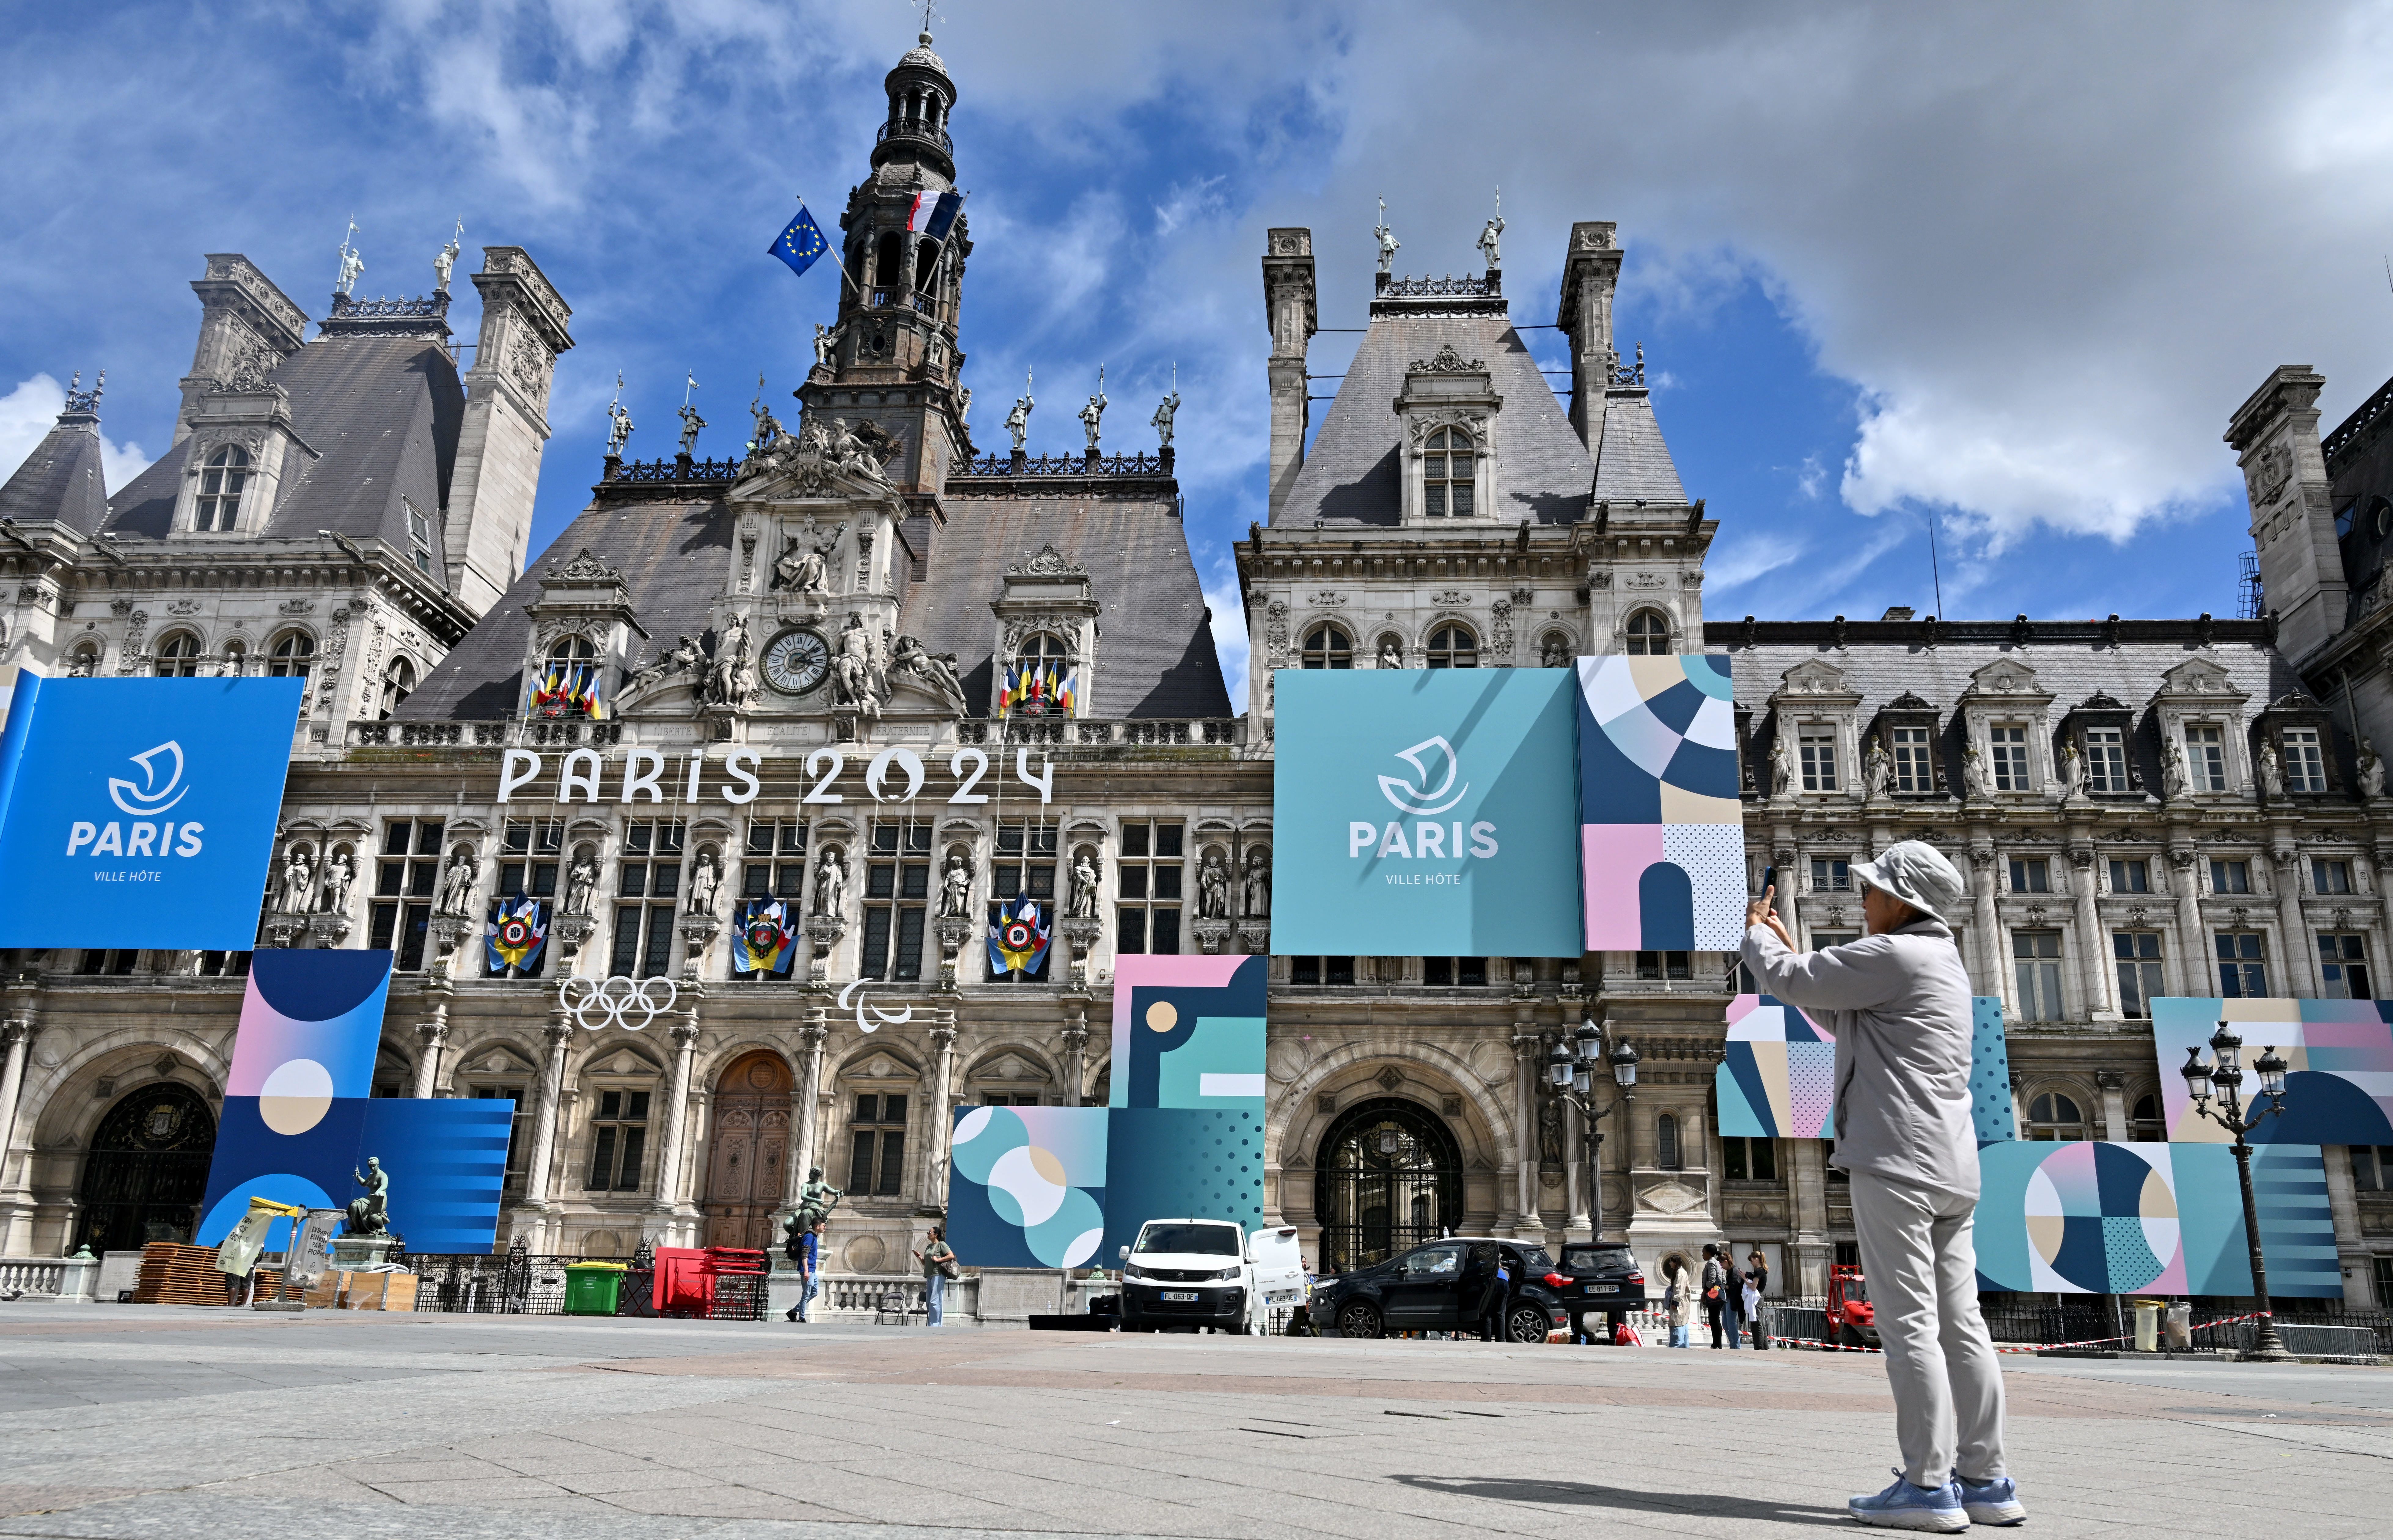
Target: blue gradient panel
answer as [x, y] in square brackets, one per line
[1166, 1163]
[447, 1161]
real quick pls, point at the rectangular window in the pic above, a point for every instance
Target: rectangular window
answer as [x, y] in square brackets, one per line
[2205, 757]
[1467, 972]
[1321, 970]
[1915, 766]
[2343, 966]
[1831, 874]
[2131, 877]
[2138, 953]
[775, 864]
[114, 963]
[1819, 752]
[2037, 957]
[2243, 965]
[223, 965]
[649, 879]
[2009, 744]
[2331, 876]
[2304, 759]
[2031, 875]
[1025, 863]
[618, 1134]
[1147, 884]
[1749, 1159]
[1665, 965]
[876, 1166]
[1822, 940]
[2231, 877]
[419, 538]
[2372, 1171]
[896, 887]
[2105, 759]
[407, 876]
[528, 859]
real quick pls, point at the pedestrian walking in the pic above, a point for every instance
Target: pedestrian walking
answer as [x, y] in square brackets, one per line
[1731, 1297]
[1756, 1289]
[938, 1265]
[1898, 1002]
[1715, 1292]
[807, 1251]
[1677, 1301]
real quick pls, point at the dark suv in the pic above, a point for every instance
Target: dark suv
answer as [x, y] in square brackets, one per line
[1604, 1276]
[1439, 1286]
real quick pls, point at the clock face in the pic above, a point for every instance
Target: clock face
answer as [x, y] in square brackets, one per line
[795, 661]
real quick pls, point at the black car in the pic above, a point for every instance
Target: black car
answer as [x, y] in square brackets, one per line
[1604, 1278]
[1439, 1288]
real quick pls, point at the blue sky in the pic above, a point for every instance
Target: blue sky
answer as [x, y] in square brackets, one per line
[2011, 268]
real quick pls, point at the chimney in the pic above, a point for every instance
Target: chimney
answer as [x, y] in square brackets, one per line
[498, 444]
[1288, 305]
[2276, 441]
[1590, 272]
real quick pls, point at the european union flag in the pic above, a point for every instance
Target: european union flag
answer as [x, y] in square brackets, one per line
[801, 243]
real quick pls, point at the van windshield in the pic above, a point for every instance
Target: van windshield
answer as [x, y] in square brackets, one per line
[1203, 1240]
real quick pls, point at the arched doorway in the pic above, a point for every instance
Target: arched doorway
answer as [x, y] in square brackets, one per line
[749, 1151]
[1388, 1177]
[147, 1171]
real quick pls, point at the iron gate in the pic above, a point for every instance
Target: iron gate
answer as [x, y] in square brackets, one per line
[1389, 1178]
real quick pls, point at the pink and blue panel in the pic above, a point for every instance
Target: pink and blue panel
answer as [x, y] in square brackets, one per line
[2338, 1057]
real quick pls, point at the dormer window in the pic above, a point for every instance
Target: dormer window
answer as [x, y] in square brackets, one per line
[2305, 763]
[2106, 759]
[1329, 647]
[2205, 755]
[397, 683]
[1649, 634]
[1453, 646]
[1446, 471]
[221, 484]
[419, 538]
[1043, 682]
[1914, 765]
[2009, 742]
[571, 649]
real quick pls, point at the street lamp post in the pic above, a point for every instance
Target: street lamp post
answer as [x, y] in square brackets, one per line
[2222, 1080]
[1570, 1068]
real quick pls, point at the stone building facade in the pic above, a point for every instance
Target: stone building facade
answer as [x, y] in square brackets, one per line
[804, 653]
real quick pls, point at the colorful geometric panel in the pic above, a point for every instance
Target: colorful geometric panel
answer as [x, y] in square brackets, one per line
[2339, 1075]
[447, 1161]
[2099, 1218]
[1027, 1186]
[1990, 1072]
[1661, 832]
[1778, 1078]
[1172, 1165]
[1189, 1032]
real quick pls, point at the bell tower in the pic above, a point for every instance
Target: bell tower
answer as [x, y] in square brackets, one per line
[891, 358]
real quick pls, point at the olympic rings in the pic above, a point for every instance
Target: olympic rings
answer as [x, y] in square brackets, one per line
[602, 1003]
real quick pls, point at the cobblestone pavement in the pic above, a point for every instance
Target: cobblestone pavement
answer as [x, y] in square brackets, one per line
[141, 1422]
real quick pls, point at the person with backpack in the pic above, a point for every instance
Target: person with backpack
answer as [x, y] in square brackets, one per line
[1731, 1296]
[1715, 1292]
[938, 1261]
[1677, 1301]
[807, 1251]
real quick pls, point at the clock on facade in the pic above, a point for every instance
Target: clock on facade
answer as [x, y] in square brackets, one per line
[796, 660]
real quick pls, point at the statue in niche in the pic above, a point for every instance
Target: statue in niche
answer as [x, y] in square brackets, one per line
[338, 875]
[299, 875]
[1877, 768]
[1556, 653]
[1257, 885]
[2272, 774]
[705, 881]
[1781, 767]
[1084, 886]
[2371, 771]
[803, 567]
[1391, 653]
[370, 1214]
[580, 883]
[830, 886]
[457, 884]
[2174, 776]
[1549, 1132]
[2073, 772]
[955, 889]
[1973, 770]
[1213, 888]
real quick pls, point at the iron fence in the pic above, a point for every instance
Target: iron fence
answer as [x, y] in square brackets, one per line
[510, 1282]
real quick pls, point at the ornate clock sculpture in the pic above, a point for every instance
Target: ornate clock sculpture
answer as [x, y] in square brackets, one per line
[795, 661]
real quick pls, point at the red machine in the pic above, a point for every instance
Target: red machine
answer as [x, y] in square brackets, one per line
[710, 1282]
[1850, 1320]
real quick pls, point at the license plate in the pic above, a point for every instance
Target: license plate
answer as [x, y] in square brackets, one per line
[1604, 1289]
[1174, 1297]
[1281, 1296]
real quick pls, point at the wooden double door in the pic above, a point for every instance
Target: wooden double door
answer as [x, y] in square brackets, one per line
[749, 1153]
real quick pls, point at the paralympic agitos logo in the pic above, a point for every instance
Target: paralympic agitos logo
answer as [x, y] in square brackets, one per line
[1415, 796]
[159, 790]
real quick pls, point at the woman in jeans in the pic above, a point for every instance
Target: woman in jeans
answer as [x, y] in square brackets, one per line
[1757, 1281]
[935, 1257]
[1677, 1301]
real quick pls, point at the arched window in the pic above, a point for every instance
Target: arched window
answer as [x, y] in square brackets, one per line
[1446, 474]
[397, 683]
[1665, 1144]
[2144, 1124]
[1453, 646]
[2054, 1115]
[1041, 669]
[179, 656]
[220, 488]
[573, 648]
[1649, 633]
[292, 654]
[1329, 647]
[889, 272]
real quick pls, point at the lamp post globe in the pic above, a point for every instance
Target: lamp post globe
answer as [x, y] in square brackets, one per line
[1624, 1064]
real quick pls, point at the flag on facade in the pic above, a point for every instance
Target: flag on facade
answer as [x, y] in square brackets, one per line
[1043, 685]
[933, 214]
[768, 935]
[1018, 937]
[519, 929]
[801, 243]
[569, 690]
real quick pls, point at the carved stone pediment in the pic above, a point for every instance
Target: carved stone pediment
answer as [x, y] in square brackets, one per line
[1816, 677]
[1671, 1196]
[2201, 678]
[2006, 676]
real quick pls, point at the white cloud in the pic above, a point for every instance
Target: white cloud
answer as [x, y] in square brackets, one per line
[1740, 556]
[1230, 640]
[27, 414]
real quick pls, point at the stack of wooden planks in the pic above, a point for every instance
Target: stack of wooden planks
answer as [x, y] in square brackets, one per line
[175, 1274]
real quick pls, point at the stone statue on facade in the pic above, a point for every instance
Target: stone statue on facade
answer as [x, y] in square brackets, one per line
[1491, 242]
[847, 454]
[955, 889]
[1163, 415]
[1213, 888]
[855, 670]
[338, 875]
[1555, 654]
[457, 884]
[2272, 774]
[298, 877]
[1549, 1132]
[619, 430]
[351, 265]
[1391, 653]
[705, 881]
[2073, 772]
[1973, 771]
[1258, 886]
[1386, 238]
[690, 422]
[831, 887]
[370, 1214]
[2174, 776]
[1017, 422]
[1092, 415]
[824, 341]
[733, 681]
[445, 262]
[1084, 886]
[683, 656]
[2371, 771]
[1877, 768]
[1782, 769]
[580, 884]
[805, 568]
[910, 659]
[817, 1198]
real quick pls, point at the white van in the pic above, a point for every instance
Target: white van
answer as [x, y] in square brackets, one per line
[1206, 1272]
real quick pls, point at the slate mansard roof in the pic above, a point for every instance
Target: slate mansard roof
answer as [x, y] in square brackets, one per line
[381, 415]
[62, 480]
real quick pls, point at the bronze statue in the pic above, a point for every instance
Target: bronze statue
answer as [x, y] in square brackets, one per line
[815, 1200]
[370, 1215]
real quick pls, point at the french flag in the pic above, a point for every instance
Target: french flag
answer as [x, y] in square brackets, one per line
[933, 214]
